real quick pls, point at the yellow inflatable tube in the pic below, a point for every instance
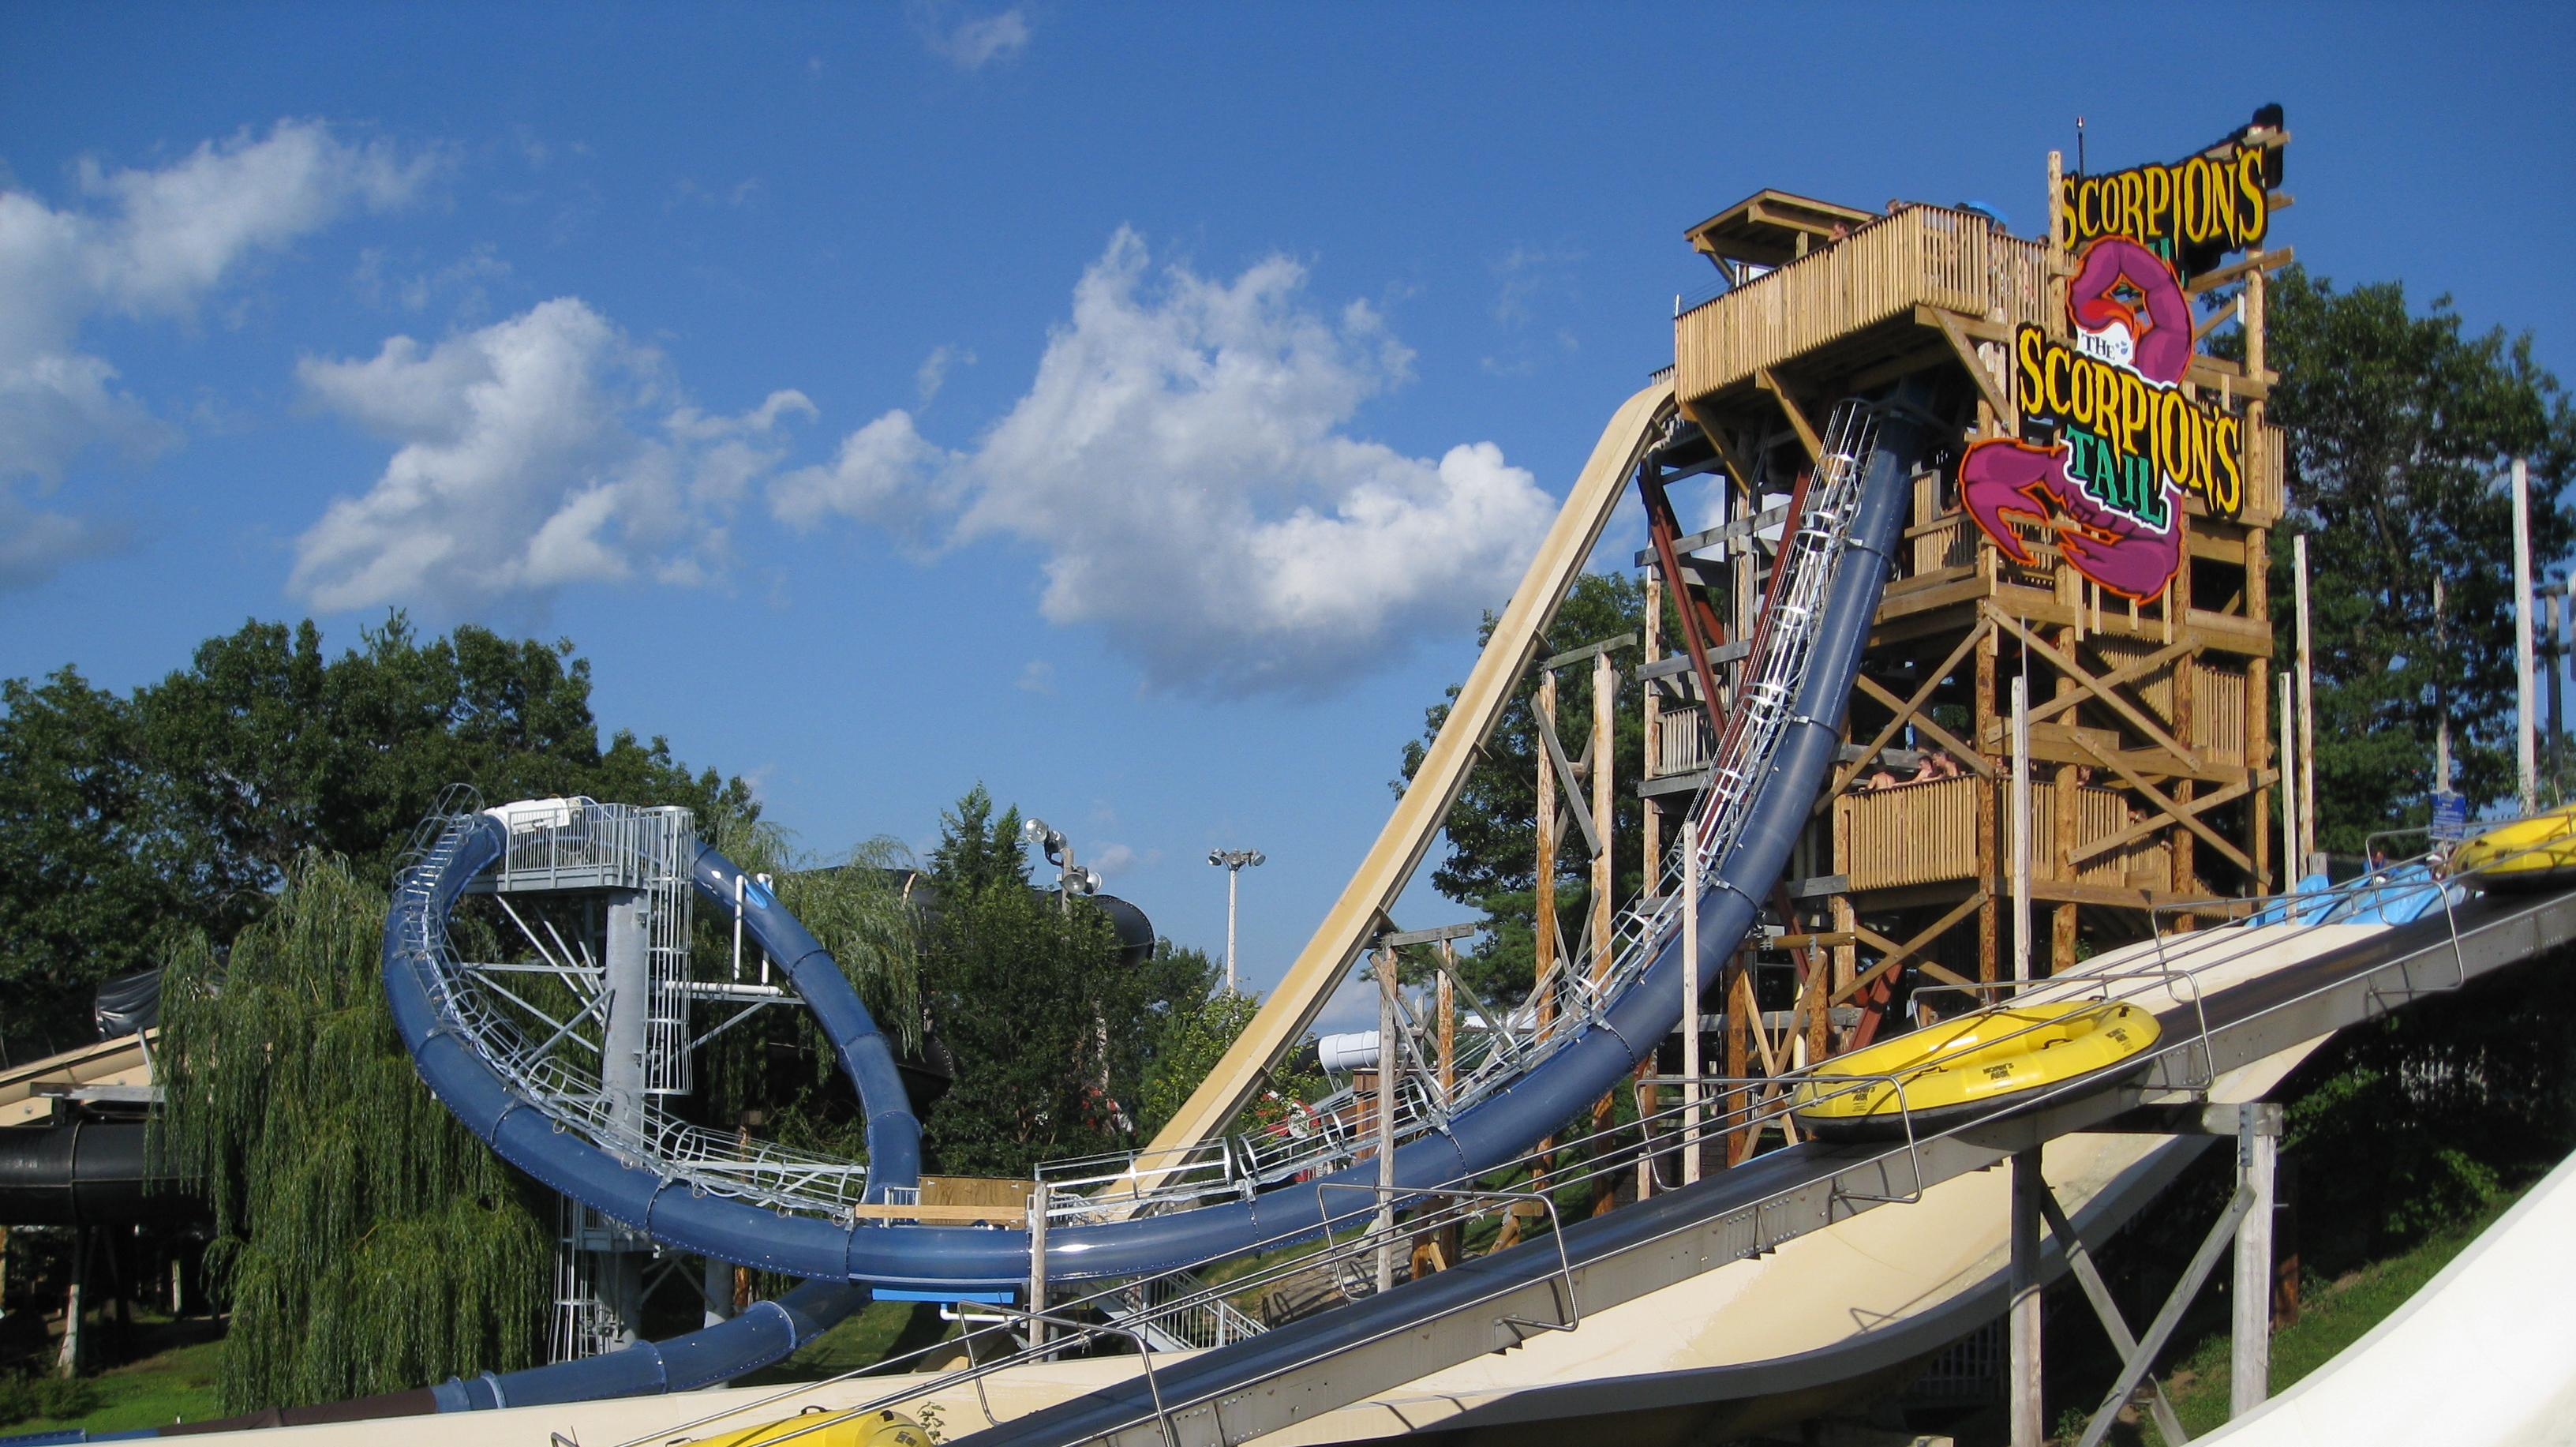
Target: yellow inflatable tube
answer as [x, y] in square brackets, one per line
[1964, 1067]
[869, 1429]
[2537, 850]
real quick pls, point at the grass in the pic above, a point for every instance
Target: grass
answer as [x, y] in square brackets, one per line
[870, 1335]
[174, 1384]
[2332, 1316]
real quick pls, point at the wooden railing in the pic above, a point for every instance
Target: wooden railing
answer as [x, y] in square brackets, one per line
[1922, 255]
[1681, 745]
[1910, 834]
[1927, 834]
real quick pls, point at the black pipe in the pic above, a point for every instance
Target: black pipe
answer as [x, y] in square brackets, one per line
[88, 1173]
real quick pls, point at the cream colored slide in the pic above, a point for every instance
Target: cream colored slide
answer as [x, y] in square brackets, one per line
[2483, 1356]
[1408, 833]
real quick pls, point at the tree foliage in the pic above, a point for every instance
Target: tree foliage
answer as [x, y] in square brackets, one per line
[2401, 427]
[1492, 865]
[1057, 1039]
[125, 821]
[367, 1241]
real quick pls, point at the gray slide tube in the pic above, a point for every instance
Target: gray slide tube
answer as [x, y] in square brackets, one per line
[1481, 1139]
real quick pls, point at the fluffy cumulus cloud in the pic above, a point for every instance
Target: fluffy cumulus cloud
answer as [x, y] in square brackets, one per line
[146, 244]
[544, 450]
[1184, 467]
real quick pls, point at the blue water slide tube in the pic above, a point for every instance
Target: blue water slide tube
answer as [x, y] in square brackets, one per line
[768, 1330]
[951, 1258]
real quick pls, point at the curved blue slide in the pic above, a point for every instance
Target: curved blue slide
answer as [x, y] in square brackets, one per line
[769, 1330]
[945, 1258]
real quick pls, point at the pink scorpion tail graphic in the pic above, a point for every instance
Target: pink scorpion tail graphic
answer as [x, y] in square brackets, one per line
[2000, 476]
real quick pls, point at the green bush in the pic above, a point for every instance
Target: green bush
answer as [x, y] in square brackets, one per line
[25, 1397]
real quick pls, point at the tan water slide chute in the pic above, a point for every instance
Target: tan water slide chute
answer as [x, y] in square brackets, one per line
[1418, 816]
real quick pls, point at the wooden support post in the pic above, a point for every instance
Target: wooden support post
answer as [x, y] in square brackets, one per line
[1650, 709]
[2022, 1396]
[2557, 652]
[2061, 931]
[1390, 1066]
[1544, 921]
[73, 1348]
[2526, 752]
[1605, 694]
[2258, 1141]
[1691, 1092]
[1738, 996]
[1846, 962]
[1037, 1262]
[2021, 830]
[1650, 820]
[1605, 689]
[2259, 755]
[2292, 864]
[1990, 836]
[2307, 710]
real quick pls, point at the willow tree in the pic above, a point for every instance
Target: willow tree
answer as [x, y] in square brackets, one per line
[366, 1240]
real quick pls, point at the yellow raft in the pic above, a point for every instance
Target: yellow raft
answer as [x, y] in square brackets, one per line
[1967, 1066]
[872, 1429]
[2537, 850]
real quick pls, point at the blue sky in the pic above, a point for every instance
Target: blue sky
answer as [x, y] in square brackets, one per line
[1131, 408]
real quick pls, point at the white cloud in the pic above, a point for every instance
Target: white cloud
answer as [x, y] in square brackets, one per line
[541, 451]
[933, 372]
[1112, 860]
[1182, 464]
[148, 244]
[1036, 676]
[974, 43]
[886, 473]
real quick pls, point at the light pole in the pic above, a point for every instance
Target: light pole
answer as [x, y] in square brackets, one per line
[1232, 862]
[1071, 879]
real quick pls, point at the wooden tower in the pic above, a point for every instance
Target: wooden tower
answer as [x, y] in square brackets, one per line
[2149, 759]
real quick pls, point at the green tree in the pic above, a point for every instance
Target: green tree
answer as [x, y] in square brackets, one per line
[1195, 1024]
[1492, 864]
[367, 1242]
[86, 882]
[2401, 426]
[1058, 1037]
[127, 820]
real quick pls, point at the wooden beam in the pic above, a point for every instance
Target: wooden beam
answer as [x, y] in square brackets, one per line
[1565, 770]
[2127, 672]
[2272, 260]
[2180, 815]
[1008, 1216]
[1897, 954]
[2074, 671]
[1967, 755]
[1931, 681]
[1763, 378]
[1968, 359]
[2145, 827]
